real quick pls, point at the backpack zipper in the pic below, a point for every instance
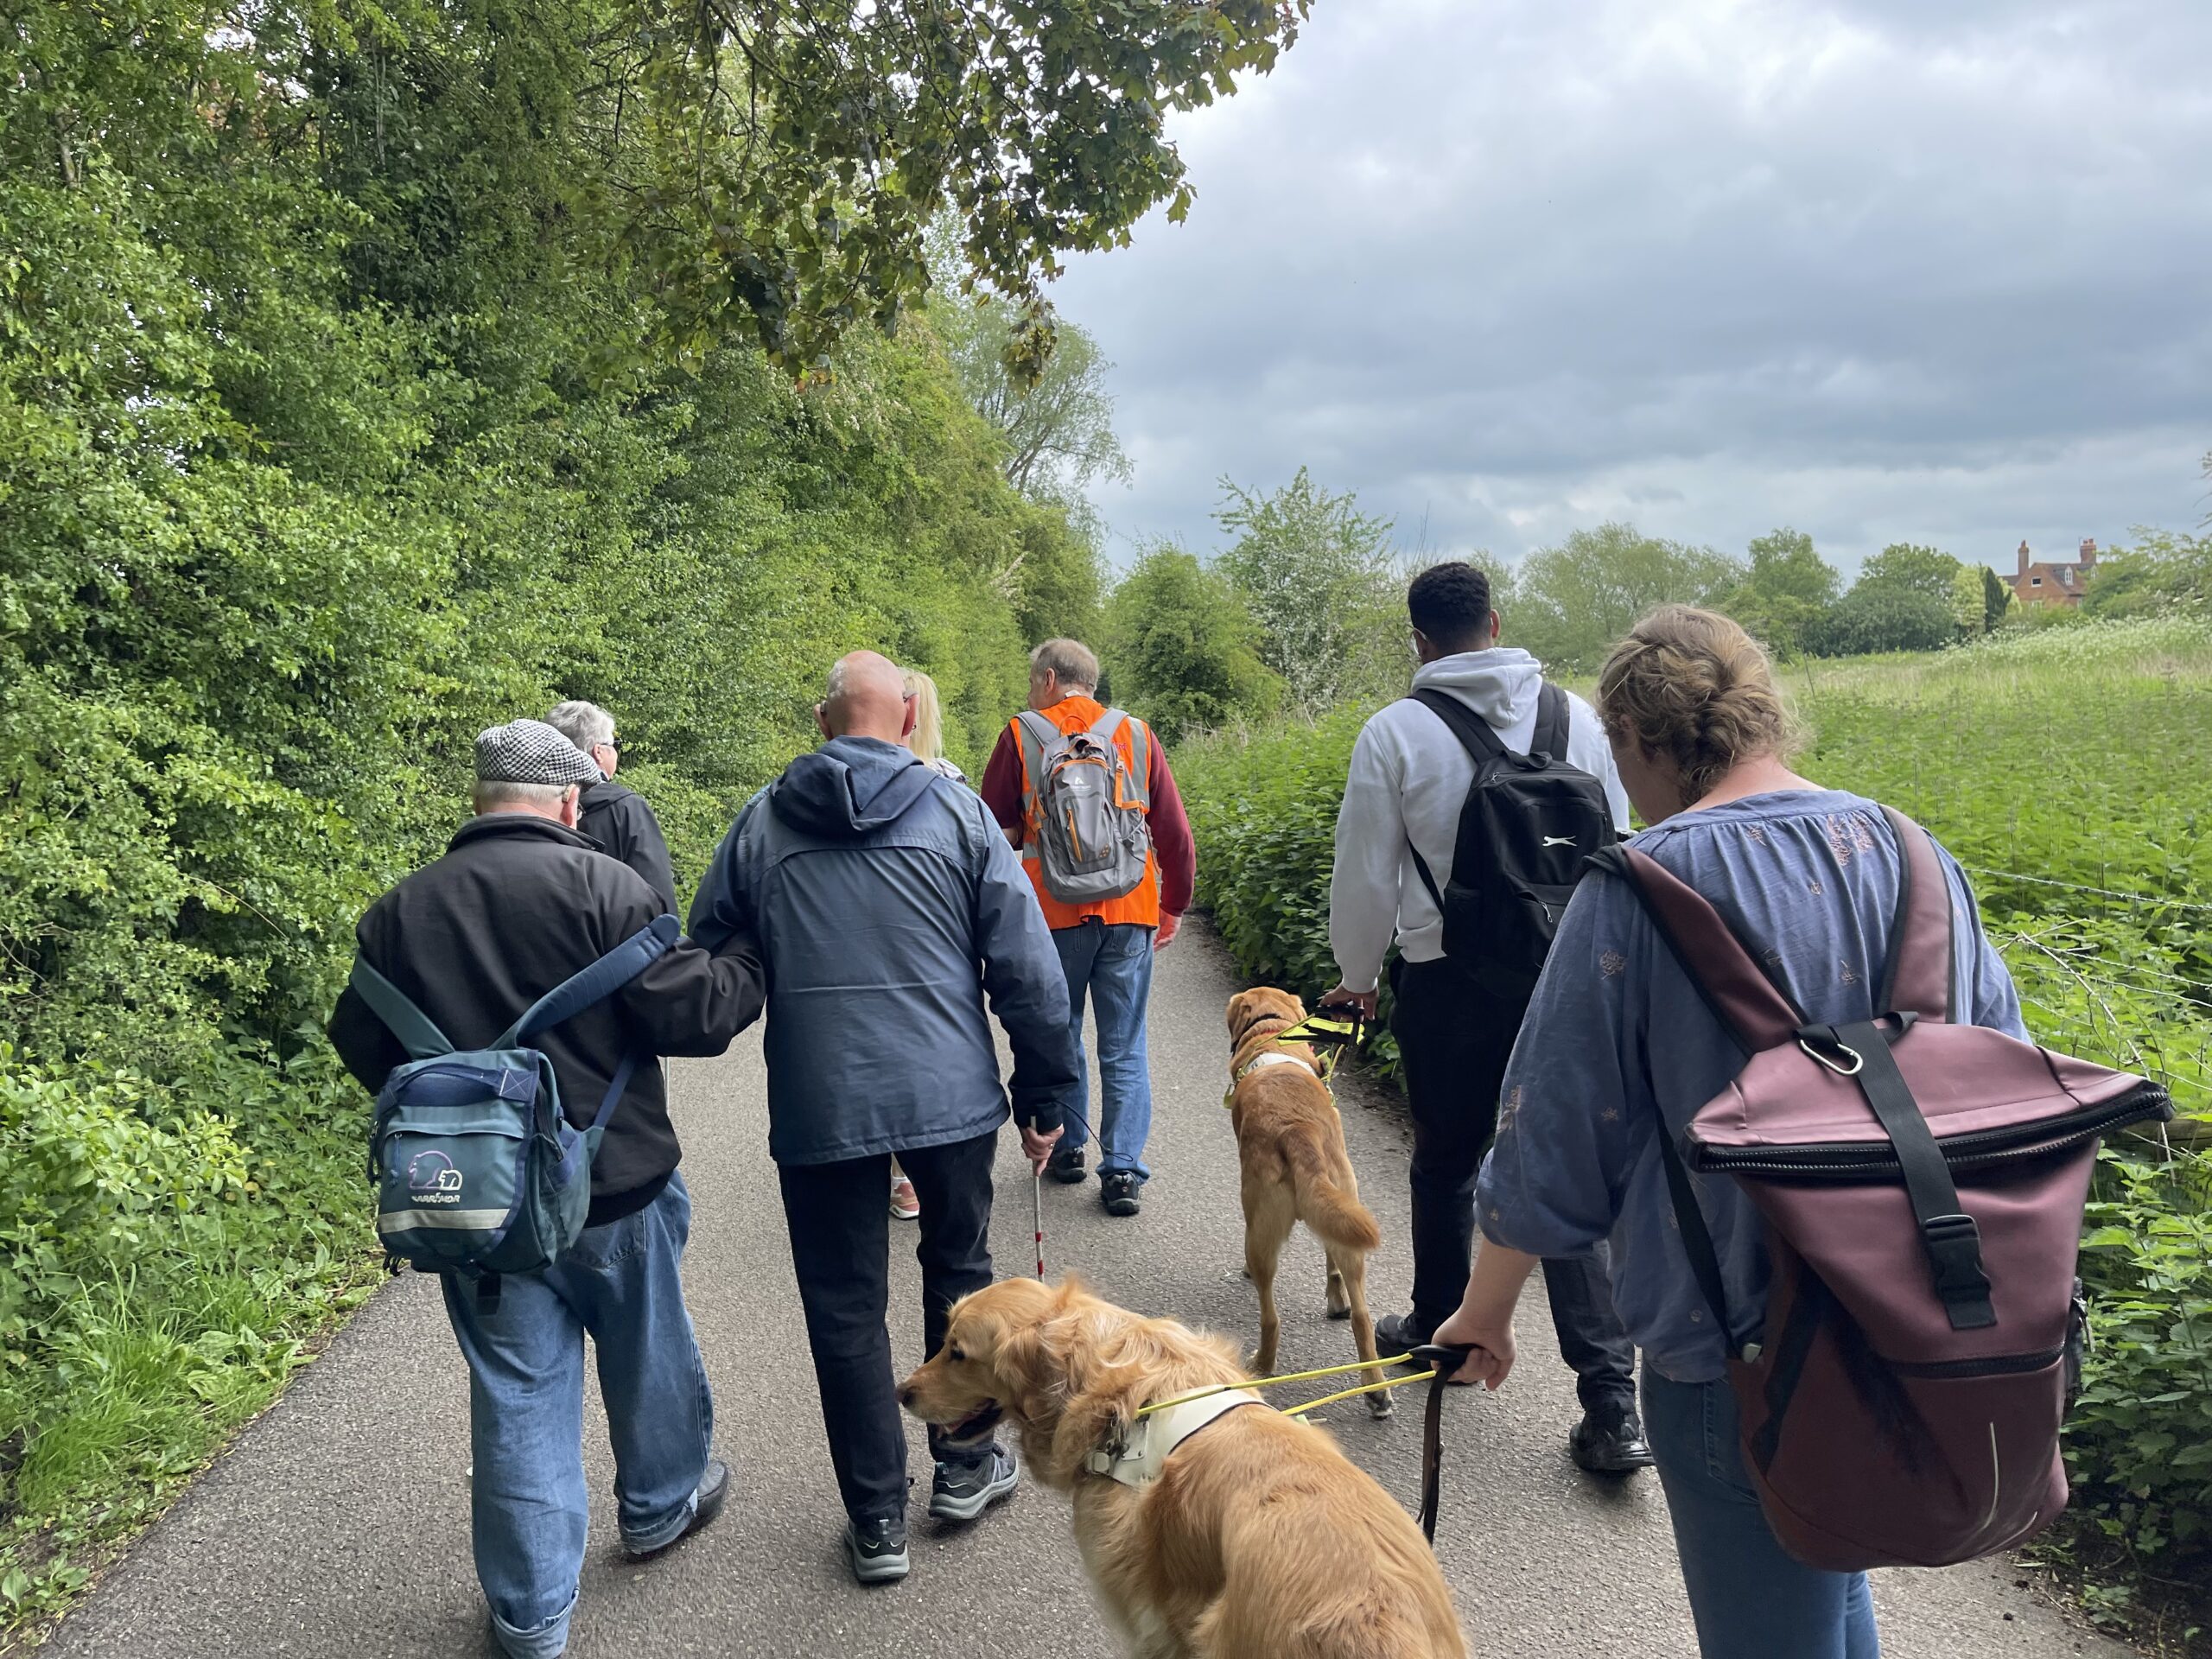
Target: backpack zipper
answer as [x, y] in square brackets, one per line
[1854, 1160]
[1999, 1365]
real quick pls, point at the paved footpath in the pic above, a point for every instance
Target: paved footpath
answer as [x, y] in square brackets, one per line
[338, 1525]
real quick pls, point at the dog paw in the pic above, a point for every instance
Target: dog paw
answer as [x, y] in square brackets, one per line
[1379, 1406]
[1343, 1313]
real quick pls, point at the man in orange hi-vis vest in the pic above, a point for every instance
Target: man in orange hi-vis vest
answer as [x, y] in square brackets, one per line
[1105, 946]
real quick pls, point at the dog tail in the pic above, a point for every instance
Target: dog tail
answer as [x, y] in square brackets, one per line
[1323, 1205]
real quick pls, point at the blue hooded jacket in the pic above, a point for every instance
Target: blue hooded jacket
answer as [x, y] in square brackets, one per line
[888, 905]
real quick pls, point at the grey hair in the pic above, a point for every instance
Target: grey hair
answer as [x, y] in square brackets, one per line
[1074, 664]
[491, 796]
[584, 724]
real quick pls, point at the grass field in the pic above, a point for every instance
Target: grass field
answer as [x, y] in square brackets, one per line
[2067, 769]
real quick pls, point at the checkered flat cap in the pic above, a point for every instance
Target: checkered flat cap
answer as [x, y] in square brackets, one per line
[530, 751]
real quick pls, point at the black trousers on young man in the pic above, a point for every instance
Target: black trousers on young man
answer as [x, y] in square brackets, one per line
[1454, 1040]
[840, 1244]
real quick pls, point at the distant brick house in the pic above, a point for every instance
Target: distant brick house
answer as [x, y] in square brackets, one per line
[2041, 582]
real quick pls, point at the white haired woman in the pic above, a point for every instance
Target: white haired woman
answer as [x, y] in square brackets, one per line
[927, 741]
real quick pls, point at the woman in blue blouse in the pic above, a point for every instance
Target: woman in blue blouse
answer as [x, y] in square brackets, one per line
[1618, 1048]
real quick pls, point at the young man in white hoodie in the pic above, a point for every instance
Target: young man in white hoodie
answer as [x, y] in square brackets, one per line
[1409, 778]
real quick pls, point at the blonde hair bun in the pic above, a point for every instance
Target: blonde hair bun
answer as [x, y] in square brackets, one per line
[1690, 687]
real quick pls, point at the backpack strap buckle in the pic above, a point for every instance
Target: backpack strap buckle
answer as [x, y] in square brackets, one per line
[1953, 1245]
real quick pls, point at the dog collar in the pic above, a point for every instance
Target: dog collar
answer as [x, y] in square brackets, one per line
[1137, 1459]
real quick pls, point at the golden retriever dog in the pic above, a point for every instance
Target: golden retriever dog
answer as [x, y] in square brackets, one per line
[1290, 1149]
[1259, 1540]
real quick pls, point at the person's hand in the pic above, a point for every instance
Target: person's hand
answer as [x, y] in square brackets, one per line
[1343, 997]
[1170, 924]
[1489, 1343]
[1038, 1147]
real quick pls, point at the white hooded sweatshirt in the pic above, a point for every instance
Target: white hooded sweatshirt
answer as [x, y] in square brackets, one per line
[1410, 777]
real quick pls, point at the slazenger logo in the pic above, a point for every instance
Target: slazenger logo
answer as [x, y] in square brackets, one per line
[1559, 841]
[431, 1179]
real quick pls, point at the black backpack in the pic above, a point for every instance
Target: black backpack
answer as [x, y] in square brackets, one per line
[1529, 822]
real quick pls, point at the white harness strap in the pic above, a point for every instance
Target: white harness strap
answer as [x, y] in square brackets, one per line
[1269, 1057]
[1138, 1460]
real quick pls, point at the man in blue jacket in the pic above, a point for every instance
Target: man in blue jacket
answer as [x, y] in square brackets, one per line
[889, 904]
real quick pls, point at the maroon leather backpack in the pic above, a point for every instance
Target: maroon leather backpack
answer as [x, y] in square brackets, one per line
[1922, 1183]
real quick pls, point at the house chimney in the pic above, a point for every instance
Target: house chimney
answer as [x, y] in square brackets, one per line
[2088, 551]
[2024, 558]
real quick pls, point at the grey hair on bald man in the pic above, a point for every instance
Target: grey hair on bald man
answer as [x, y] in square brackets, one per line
[1070, 661]
[584, 724]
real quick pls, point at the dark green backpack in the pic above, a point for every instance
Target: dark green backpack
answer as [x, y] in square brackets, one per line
[477, 1171]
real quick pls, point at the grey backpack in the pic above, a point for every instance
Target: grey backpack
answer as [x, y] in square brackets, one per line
[1093, 841]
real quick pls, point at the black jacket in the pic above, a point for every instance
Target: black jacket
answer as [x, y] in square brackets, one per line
[516, 906]
[618, 818]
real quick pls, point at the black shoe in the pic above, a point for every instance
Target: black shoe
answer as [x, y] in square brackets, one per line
[963, 1491]
[713, 1493]
[1400, 1333]
[1118, 1190]
[876, 1550]
[1609, 1441]
[1066, 1166]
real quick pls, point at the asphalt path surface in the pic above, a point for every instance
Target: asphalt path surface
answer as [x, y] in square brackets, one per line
[338, 1525]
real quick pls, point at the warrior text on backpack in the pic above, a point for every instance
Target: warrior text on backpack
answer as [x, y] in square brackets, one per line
[1530, 824]
[1922, 1183]
[1093, 839]
[476, 1169]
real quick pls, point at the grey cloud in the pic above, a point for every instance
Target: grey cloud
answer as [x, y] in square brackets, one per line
[1877, 269]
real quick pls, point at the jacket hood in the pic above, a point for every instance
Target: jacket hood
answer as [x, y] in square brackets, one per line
[1500, 683]
[850, 786]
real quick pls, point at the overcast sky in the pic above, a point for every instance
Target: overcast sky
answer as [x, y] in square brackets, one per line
[1882, 270]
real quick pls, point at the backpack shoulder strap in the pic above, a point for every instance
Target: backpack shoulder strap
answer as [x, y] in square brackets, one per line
[1554, 715]
[1921, 947]
[601, 980]
[1034, 734]
[1139, 763]
[417, 1033]
[1472, 729]
[1746, 1002]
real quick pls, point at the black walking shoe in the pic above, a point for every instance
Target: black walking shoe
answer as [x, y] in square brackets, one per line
[1400, 1333]
[713, 1492]
[1066, 1166]
[963, 1491]
[1609, 1441]
[1118, 1190]
[876, 1550]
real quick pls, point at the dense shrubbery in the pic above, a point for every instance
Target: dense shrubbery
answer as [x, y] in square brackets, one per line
[329, 437]
[2066, 770]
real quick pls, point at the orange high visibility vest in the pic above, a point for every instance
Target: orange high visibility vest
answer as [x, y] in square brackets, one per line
[1141, 903]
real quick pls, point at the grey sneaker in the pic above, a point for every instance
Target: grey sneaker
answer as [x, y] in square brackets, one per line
[963, 1491]
[1118, 1190]
[877, 1549]
[713, 1493]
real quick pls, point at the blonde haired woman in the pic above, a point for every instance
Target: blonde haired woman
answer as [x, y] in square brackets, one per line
[1807, 878]
[927, 741]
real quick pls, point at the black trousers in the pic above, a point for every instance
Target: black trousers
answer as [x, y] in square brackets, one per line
[840, 1243]
[1454, 1040]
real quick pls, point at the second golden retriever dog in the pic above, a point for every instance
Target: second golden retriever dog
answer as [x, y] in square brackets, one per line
[1290, 1151]
[1241, 1534]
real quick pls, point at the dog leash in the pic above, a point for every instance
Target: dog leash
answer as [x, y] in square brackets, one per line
[1037, 1202]
[1431, 1428]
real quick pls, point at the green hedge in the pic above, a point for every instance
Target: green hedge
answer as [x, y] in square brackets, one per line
[2067, 770]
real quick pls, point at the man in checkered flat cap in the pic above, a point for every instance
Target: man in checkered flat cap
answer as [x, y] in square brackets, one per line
[518, 902]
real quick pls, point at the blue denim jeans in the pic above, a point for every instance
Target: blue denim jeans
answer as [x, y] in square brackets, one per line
[621, 1283]
[1113, 967]
[1749, 1599]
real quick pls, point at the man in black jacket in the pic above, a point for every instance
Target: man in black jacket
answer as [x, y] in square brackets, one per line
[613, 815]
[519, 902]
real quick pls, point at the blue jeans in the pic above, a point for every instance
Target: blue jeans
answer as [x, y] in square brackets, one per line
[1749, 1599]
[1113, 965]
[619, 1283]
